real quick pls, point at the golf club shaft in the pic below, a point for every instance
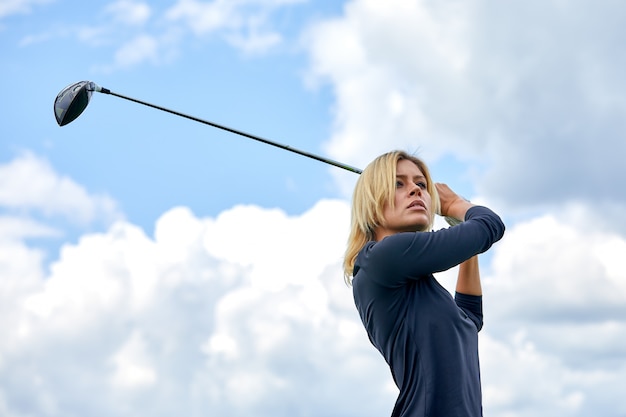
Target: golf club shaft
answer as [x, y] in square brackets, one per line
[238, 132]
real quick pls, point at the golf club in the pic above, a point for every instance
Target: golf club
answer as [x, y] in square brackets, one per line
[74, 98]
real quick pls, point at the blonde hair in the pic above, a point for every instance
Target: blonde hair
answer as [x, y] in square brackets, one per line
[374, 189]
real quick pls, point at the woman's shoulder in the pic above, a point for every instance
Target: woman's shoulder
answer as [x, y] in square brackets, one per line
[389, 243]
[387, 249]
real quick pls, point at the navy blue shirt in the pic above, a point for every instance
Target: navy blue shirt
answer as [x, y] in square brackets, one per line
[429, 339]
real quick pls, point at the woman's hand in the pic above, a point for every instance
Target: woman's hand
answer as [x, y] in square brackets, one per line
[452, 205]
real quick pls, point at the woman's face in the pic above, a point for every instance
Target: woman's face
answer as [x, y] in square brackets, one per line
[411, 211]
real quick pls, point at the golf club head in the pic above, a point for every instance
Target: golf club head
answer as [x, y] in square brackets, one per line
[72, 100]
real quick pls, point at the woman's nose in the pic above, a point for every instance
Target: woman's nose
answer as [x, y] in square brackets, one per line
[415, 190]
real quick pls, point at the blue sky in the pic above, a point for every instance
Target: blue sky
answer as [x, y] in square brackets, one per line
[160, 160]
[148, 262]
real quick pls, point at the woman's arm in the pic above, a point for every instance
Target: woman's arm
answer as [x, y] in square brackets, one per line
[412, 255]
[468, 281]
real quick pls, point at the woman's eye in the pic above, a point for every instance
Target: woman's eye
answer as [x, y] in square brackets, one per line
[399, 184]
[422, 185]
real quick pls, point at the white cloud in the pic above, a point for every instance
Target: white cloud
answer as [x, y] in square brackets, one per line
[248, 313]
[387, 82]
[132, 364]
[138, 50]
[521, 380]
[249, 249]
[17, 228]
[28, 183]
[554, 303]
[536, 109]
[129, 12]
[203, 17]
[187, 318]
[256, 40]
[9, 7]
[245, 24]
[575, 269]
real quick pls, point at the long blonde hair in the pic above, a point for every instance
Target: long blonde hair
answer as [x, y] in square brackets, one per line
[374, 189]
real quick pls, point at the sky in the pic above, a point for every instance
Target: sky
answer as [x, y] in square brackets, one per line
[152, 265]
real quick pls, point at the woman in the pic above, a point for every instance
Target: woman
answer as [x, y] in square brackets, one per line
[428, 338]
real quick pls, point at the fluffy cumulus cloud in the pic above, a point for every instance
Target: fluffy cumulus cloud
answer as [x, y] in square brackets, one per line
[30, 186]
[247, 313]
[528, 91]
[243, 314]
[556, 308]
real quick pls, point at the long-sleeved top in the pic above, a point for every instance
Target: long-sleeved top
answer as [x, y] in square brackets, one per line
[428, 338]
